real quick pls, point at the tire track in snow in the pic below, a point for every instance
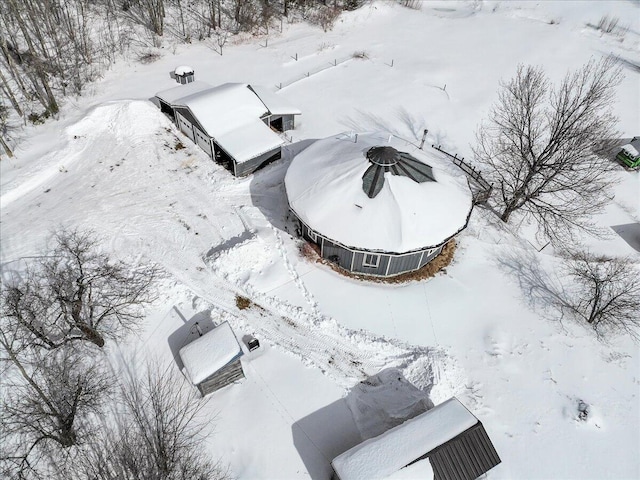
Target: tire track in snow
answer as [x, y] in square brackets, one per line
[344, 355]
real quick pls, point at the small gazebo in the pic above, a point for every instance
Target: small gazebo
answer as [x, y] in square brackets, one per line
[184, 74]
[375, 204]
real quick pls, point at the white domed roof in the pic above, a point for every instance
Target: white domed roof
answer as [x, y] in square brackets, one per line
[325, 188]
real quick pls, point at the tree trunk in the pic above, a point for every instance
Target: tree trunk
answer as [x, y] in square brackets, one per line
[6, 147]
[91, 334]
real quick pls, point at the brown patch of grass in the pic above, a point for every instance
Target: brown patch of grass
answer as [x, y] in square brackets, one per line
[243, 302]
[179, 145]
[312, 253]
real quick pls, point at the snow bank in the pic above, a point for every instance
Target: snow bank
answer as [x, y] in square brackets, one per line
[209, 353]
[379, 457]
[324, 188]
[384, 401]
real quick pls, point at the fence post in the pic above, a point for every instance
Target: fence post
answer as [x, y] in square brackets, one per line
[424, 136]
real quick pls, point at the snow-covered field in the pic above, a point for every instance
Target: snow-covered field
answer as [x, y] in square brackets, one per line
[110, 164]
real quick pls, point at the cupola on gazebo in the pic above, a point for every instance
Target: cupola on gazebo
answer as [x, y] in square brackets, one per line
[376, 204]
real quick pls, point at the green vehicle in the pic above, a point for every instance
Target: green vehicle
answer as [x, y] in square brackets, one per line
[629, 154]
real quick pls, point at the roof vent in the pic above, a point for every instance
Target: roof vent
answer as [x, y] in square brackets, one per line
[388, 159]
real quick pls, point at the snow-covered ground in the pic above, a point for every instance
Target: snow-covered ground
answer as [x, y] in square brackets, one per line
[110, 164]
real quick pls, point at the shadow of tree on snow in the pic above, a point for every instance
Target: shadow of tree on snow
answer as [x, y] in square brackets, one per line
[544, 292]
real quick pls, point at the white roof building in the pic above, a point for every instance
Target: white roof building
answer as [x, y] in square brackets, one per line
[375, 193]
[234, 120]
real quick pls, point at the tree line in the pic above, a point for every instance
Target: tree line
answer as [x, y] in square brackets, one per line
[53, 48]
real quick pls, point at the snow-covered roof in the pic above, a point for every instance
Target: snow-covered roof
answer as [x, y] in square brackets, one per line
[324, 185]
[276, 104]
[173, 95]
[230, 113]
[224, 108]
[209, 353]
[381, 456]
[630, 150]
[183, 70]
[249, 140]
[421, 469]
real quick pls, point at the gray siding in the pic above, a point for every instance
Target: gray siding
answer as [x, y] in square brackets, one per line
[203, 141]
[337, 254]
[395, 264]
[353, 260]
[223, 377]
[405, 263]
[288, 122]
[185, 126]
[427, 258]
[359, 267]
[250, 166]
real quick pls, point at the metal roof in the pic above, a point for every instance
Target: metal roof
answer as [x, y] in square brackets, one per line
[464, 457]
[387, 159]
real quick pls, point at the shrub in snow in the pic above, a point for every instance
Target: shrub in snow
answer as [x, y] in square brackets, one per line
[606, 294]
[243, 302]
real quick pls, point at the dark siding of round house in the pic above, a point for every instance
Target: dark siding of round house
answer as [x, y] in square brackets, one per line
[368, 262]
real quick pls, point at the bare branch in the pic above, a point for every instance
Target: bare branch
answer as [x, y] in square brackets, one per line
[543, 147]
[76, 293]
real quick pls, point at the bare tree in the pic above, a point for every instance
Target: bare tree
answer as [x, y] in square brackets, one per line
[606, 293]
[544, 147]
[50, 401]
[601, 291]
[156, 432]
[154, 13]
[76, 293]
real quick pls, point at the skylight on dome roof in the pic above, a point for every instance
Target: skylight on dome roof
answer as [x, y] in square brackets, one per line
[388, 159]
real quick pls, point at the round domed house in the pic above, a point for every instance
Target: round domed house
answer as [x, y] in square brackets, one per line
[375, 204]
